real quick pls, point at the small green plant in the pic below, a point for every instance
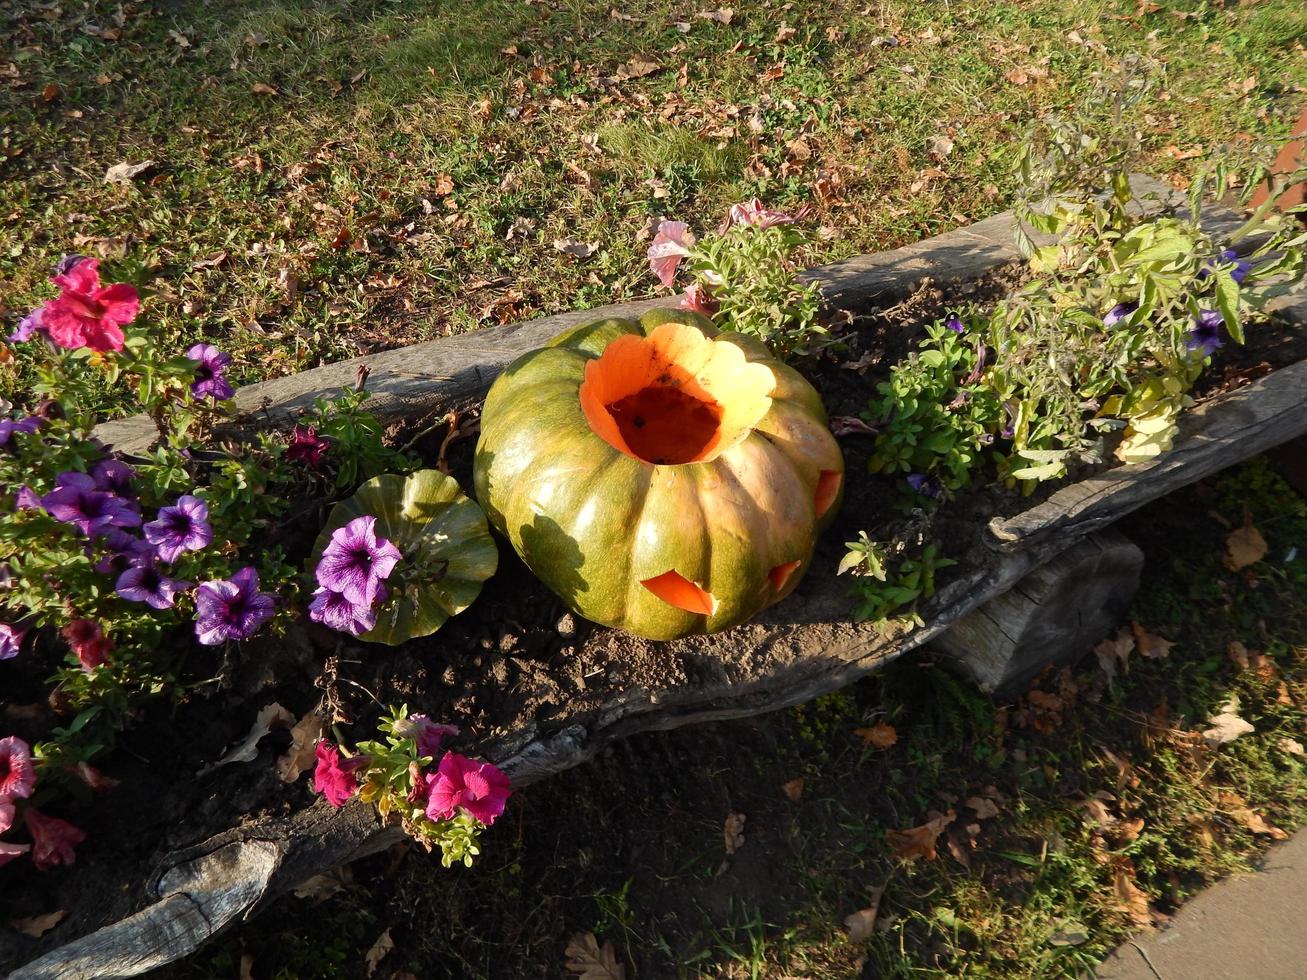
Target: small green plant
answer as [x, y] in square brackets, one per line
[891, 579]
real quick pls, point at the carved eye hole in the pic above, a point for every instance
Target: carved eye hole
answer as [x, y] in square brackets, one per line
[779, 575]
[677, 590]
[828, 488]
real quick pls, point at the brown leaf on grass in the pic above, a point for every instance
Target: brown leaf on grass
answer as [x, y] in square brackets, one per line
[1238, 654]
[321, 887]
[263, 88]
[722, 15]
[637, 67]
[303, 747]
[1256, 823]
[1124, 771]
[847, 425]
[918, 842]
[210, 261]
[590, 961]
[1115, 651]
[1150, 645]
[1017, 76]
[342, 239]
[1129, 898]
[879, 735]
[958, 850]
[1097, 811]
[576, 249]
[1244, 546]
[38, 925]
[1128, 830]
[984, 808]
[793, 790]
[444, 185]
[1226, 724]
[125, 173]
[1290, 745]
[862, 923]
[270, 716]
[733, 832]
[50, 92]
[373, 957]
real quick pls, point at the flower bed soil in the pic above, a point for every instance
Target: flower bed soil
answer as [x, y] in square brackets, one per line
[515, 666]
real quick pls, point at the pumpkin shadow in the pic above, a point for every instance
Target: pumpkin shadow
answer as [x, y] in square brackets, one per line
[554, 555]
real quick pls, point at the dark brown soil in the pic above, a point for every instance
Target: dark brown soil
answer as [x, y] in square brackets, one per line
[516, 662]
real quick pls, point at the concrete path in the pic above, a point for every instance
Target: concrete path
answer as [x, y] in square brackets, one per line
[1251, 927]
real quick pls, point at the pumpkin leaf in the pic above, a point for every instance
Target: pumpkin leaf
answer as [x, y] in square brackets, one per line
[447, 548]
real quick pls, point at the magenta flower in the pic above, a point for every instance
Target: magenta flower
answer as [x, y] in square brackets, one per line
[88, 642]
[231, 610]
[144, 583]
[356, 561]
[180, 528]
[307, 446]
[75, 500]
[210, 376]
[671, 244]
[1207, 335]
[26, 499]
[461, 783]
[334, 777]
[113, 476]
[7, 811]
[699, 300]
[10, 851]
[86, 314]
[17, 774]
[11, 639]
[755, 214]
[53, 840]
[428, 735]
[332, 609]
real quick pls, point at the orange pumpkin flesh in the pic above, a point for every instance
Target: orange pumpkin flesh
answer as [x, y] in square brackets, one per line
[659, 476]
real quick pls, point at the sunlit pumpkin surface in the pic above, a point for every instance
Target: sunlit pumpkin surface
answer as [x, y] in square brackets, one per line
[675, 396]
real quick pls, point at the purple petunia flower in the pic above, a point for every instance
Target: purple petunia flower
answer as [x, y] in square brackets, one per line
[1118, 313]
[124, 551]
[357, 561]
[1207, 335]
[210, 376]
[26, 499]
[954, 323]
[29, 326]
[75, 500]
[307, 446]
[9, 427]
[1225, 257]
[113, 475]
[231, 610]
[145, 583]
[332, 609]
[182, 527]
[924, 485]
[11, 639]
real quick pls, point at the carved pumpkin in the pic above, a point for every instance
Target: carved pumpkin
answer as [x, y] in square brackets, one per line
[659, 476]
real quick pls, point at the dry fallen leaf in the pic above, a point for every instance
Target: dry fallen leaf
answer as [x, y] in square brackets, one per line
[272, 715]
[793, 790]
[1150, 645]
[577, 249]
[321, 887]
[1238, 654]
[1128, 830]
[879, 735]
[1244, 546]
[39, 925]
[1254, 822]
[984, 808]
[915, 842]
[722, 15]
[1130, 899]
[733, 832]
[303, 747]
[125, 173]
[262, 88]
[590, 961]
[940, 147]
[1114, 651]
[1226, 724]
[1016, 76]
[444, 185]
[247, 966]
[50, 92]
[1097, 811]
[210, 261]
[1291, 745]
[862, 923]
[847, 425]
[373, 957]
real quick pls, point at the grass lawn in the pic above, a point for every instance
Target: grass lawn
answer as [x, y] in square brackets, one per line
[330, 178]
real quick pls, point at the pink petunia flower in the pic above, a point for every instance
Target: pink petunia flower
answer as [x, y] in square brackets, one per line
[461, 783]
[427, 734]
[307, 446]
[94, 779]
[755, 214]
[7, 810]
[10, 851]
[334, 776]
[86, 314]
[17, 774]
[671, 244]
[53, 840]
[89, 643]
[11, 641]
[699, 300]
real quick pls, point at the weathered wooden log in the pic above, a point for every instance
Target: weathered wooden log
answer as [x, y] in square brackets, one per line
[1054, 615]
[807, 644]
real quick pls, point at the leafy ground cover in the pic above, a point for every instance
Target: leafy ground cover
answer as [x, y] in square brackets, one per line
[950, 835]
[331, 178]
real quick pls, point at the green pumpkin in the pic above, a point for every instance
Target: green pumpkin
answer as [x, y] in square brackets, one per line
[660, 476]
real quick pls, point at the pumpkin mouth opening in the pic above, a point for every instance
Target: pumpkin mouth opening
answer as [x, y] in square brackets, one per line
[674, 397]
